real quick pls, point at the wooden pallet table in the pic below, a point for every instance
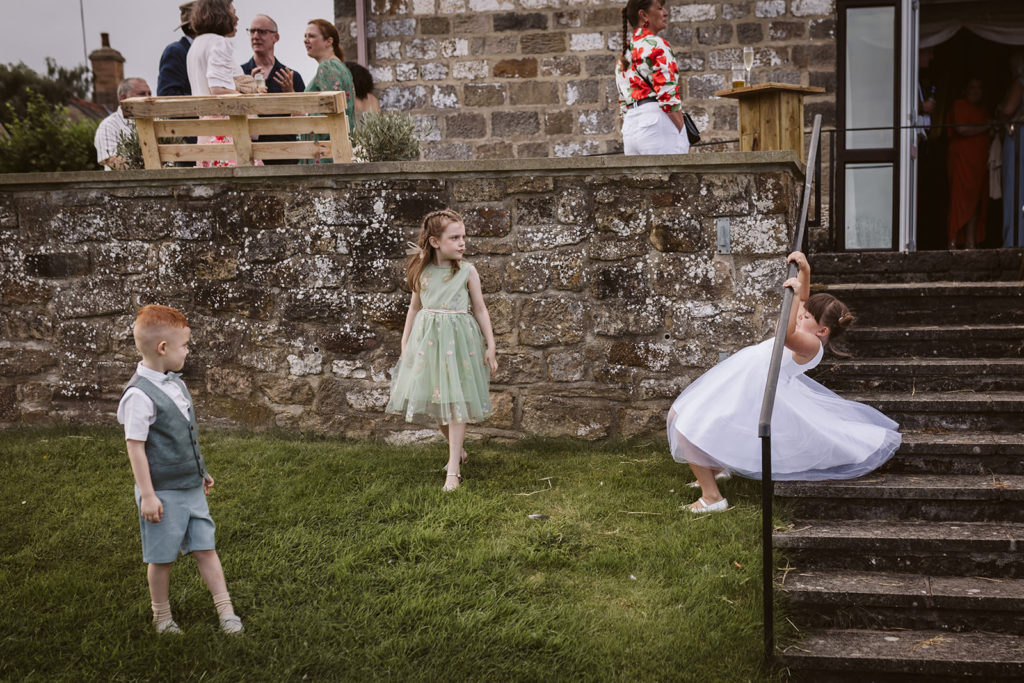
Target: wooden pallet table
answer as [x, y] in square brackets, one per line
[314, 113]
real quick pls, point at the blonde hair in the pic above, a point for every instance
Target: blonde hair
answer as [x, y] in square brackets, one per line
[432, 225]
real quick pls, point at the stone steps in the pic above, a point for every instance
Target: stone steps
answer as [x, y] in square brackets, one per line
[922, 266]
[997, 411]
[991, 549]
[921, 374]
[916, 571]
[926, 303]
[957, 453]
[879, 600]
[930, 655]
[935, 341]
[899, 496]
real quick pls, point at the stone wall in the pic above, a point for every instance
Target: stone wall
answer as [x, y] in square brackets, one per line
[501, 79]
[601, 275]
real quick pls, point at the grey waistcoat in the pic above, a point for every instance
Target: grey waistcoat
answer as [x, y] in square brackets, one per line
[172, 447]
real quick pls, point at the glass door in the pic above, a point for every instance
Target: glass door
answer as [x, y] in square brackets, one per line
[869, 139]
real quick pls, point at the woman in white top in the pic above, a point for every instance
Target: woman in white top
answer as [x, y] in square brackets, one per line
[212, 66]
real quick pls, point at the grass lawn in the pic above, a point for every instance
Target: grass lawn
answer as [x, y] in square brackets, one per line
[347, 562]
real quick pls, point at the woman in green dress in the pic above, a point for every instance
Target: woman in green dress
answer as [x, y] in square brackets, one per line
[323, 43]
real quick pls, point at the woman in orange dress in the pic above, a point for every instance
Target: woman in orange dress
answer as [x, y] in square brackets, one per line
[968, 169]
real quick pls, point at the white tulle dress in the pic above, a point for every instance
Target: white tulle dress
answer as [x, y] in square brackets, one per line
[815, 433]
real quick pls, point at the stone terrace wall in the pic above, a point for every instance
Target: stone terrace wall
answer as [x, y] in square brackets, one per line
[502, 79]
[600, 275]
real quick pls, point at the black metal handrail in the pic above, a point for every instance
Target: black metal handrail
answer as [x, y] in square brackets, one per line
[764, 426]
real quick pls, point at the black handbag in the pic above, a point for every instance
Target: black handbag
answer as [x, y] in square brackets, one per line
[692, 134]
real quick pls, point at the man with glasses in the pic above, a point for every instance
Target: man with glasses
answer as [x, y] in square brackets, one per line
[263, 36]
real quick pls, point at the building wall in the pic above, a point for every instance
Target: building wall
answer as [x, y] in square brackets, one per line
[499, 79]
[602, 277]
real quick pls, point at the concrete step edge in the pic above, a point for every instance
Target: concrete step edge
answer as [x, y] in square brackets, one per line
[896, 535]
[931, 287]
[1012, 401]
[907, 651]
[900, 486]
[885, 589]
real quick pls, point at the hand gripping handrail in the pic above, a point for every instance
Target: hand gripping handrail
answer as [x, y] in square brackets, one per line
[764, 425]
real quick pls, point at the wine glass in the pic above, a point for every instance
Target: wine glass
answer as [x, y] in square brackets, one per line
[748, 60]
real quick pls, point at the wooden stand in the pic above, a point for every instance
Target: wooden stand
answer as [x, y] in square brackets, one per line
[771, 116]
[236, 116]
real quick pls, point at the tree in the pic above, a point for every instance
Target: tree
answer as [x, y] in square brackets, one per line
[45, 139]
[57, 87]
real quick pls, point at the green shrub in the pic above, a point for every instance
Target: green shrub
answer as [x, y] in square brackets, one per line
[130, 150]
[387, 136]
[45, 139]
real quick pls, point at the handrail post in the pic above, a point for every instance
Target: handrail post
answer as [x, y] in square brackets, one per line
[767, 560]
[1017, 210]
[764, 425]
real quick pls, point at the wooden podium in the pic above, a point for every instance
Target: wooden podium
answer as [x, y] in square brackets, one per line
[771, 116]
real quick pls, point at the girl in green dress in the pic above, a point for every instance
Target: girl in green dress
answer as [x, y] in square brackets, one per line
[448, 351]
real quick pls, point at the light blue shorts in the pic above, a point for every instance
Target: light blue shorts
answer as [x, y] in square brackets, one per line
[185, 526]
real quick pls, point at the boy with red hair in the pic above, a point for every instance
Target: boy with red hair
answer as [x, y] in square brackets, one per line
[171, 481]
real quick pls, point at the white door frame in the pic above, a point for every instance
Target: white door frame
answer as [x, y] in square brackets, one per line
[908, 116]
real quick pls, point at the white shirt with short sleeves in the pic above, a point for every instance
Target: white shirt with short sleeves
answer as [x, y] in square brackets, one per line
[108, 133]
[211, 62]
[137, 410]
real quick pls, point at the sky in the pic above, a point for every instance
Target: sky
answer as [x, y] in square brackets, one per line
[33, 30]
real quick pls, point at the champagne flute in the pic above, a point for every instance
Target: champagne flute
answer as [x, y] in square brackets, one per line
[748, 60]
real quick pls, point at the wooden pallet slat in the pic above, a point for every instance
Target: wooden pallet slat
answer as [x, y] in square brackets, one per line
[148, 142]
[234, 105]
[238, 116]
[240, 137]
[295, 125]
[260, 150]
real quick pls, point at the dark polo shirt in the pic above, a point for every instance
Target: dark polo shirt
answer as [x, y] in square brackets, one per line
[273, 86]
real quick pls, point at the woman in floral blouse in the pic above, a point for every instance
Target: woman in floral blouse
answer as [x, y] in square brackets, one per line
[646, 76]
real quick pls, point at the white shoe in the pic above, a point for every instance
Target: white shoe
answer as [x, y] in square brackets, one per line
[231, 625]
[167, 627]
[721, 476]
[703, 507]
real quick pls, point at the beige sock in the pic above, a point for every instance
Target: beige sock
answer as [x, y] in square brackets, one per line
[222, 601]
[161, 612]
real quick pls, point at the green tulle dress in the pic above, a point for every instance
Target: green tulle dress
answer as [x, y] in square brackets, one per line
[443, 374]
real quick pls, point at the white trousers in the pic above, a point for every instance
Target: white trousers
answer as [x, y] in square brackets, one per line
[648, 130]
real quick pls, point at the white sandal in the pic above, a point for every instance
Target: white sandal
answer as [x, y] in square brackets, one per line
[232, 625]
[167, 626]
[703, 507]
[451, 487]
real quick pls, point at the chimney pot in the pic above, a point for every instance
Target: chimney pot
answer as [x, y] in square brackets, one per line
[107, 73]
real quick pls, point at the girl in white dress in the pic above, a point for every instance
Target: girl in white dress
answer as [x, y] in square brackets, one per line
[712, 426]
